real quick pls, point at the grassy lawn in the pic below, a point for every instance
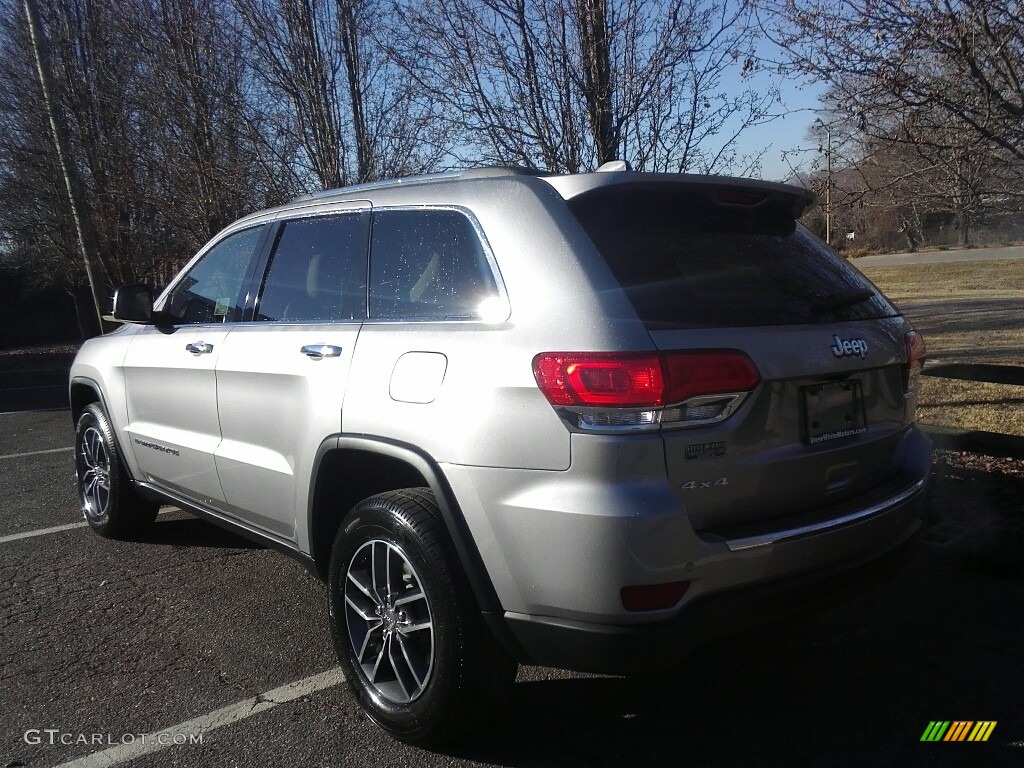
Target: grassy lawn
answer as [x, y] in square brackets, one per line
[1002, 278]
[972, 405]
[922, 290]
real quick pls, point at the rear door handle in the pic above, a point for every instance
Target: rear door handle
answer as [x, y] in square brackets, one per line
[199, 348]
[320, 351]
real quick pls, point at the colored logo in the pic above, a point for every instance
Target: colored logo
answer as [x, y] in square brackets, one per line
[958, 730]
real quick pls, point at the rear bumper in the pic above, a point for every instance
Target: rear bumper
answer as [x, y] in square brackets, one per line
[562, 545]
[618, 649]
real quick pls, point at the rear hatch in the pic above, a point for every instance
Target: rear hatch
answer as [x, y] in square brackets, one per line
[724, 266]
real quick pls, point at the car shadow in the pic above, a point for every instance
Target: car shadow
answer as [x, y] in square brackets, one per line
[194, 532]
[831, 690]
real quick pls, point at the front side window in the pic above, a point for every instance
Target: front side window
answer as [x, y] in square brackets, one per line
[317, 270]
[212, 290]
[427, 265]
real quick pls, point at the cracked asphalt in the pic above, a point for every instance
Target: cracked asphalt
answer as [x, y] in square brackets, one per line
[100, 637]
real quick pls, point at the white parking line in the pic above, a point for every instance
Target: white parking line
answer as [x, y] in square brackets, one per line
[40, 532]
[36, 453]
[203, 724]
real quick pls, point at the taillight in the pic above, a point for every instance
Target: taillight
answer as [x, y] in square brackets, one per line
[642, 390]
[736, 197]
[916, 349]
[916, 353]
[599, 379]
[707, 373]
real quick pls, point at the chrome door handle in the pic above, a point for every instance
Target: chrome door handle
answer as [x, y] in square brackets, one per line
[199, 348]
[320, 351]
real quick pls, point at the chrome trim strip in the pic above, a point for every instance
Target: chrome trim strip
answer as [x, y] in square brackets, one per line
[762, 540]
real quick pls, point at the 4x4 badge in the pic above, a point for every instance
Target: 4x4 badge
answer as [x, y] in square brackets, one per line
[691, 485]
[849, 347]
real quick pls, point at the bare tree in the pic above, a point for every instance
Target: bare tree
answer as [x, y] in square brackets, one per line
[349, 109]
[567, 84]
[198, 159]
[943, 79]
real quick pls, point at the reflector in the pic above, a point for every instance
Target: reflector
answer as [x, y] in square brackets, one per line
[653, 597]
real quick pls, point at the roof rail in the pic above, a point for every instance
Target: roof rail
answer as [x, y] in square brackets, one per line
[489, 171]
[468, 173]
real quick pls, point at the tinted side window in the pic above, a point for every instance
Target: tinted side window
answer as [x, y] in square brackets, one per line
[427, 264]
[212, 291]
[317, 270]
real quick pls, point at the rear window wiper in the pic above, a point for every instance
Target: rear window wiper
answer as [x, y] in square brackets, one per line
[842, 300]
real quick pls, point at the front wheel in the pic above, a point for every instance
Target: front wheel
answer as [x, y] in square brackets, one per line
[110, 503]
[406, 628]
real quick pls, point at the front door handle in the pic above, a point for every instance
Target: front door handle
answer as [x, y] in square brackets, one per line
[320, 351]
[199, 348]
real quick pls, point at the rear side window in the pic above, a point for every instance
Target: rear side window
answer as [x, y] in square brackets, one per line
[427, 265]
[317, 270]
[686, 260]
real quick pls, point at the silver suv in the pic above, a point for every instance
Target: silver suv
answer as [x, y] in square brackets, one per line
[584, 421]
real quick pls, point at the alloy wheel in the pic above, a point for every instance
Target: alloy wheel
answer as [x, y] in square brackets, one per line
[389, 621]
[94, 474]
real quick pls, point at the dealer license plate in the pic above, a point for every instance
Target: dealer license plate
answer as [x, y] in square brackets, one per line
[832, 411]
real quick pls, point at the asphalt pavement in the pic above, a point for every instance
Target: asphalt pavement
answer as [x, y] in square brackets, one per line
[194, 631]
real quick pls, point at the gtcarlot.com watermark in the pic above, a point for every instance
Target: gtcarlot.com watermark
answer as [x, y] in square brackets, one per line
[55, 736]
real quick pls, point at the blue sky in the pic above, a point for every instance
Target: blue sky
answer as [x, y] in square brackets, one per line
[786, 133]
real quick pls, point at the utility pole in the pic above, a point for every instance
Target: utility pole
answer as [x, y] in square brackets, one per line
[828, 180]
[828, 187]
[83, 227]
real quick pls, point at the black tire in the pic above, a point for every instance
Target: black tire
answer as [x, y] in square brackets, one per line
[110, 502]
[425, 690]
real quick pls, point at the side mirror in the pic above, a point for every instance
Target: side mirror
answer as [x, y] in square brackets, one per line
[133, 304]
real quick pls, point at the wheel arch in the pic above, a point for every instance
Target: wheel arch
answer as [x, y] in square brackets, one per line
[81, 392]
[350, 468]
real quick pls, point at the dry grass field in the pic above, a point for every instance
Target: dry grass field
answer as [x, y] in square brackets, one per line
[968, 312]
[1001, 278]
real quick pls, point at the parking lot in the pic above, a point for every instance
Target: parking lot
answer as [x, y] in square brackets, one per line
[196, 633]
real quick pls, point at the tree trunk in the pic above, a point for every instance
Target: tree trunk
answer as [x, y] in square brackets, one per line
[349, 32]
[595, 56]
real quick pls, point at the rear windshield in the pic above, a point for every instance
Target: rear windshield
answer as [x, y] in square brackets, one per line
[686, 260]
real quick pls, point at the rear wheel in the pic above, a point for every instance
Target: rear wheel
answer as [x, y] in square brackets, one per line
[110, 503]
[406, 627]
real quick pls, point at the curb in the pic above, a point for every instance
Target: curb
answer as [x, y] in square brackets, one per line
[975, 441]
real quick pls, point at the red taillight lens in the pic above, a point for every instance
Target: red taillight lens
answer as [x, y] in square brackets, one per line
[916, 349]
[690, 374]
[653, 597]
[568, 378]
[640, 380]
[912, 373]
